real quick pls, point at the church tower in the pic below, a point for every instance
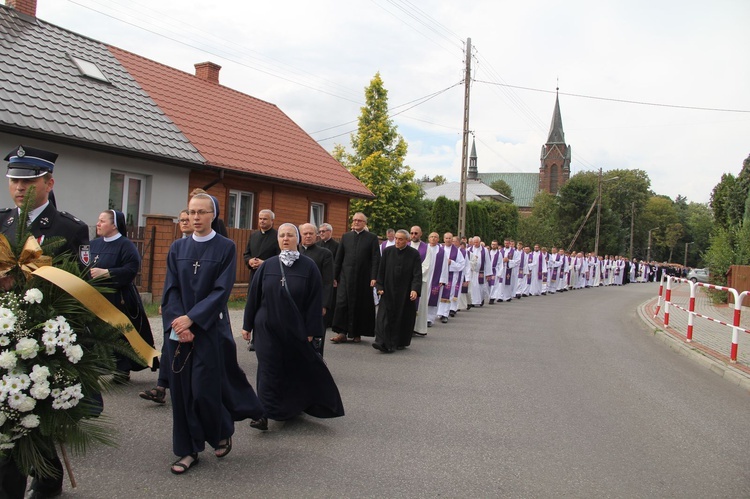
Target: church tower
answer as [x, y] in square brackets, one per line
[555, 159]
[473, 172]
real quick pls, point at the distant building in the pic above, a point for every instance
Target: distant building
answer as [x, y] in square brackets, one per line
[554, 170]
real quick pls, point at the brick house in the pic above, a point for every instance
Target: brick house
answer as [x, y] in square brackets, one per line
[136, 135]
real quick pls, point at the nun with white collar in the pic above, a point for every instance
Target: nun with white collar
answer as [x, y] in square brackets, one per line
[115, 261]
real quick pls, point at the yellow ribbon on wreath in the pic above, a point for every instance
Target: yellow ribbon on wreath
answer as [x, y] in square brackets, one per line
[99, 306]
[30, 260]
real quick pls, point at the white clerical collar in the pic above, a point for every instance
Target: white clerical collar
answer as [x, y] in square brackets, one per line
[203, 239]
[112, 238]
[415, 245]
[35, 212]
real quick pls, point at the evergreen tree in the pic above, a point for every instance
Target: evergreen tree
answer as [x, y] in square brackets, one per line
[377, 161]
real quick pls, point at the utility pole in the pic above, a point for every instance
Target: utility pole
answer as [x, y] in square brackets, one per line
[465, 147]
[598, 213]
[686, 252]
[632, 220]
[648, 250]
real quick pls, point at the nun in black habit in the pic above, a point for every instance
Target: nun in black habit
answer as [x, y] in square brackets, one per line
[284, 311]
[116, 260]
[208, 389]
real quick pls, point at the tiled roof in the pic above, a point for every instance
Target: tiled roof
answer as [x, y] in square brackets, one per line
[43, 92]
[524, 186]
[475, 191]
[238, 132]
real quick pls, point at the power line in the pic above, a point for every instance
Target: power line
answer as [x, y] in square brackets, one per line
[611, 99]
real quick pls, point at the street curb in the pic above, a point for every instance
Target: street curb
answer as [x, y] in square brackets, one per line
[713, 364]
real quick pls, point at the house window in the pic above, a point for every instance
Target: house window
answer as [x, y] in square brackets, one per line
[126, 193]
[240, 210]
[317, 213]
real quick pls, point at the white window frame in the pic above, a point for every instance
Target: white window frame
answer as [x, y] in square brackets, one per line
[125, 193]
[322, 214]
[233, 219]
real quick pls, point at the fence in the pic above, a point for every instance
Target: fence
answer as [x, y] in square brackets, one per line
[668, 302]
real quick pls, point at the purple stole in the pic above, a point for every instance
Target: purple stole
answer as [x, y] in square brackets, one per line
[528, 277]
[507, 267]
[460, 280]
[481, 265]
[491, 279]
[554, 271]
[382, 246]
[435, 284]
[570, 261]
[520, 266]
[422, 250]
[445, 297]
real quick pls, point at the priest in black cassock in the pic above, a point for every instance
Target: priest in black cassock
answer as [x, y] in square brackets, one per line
[355, 272]
[200, 276]
[325, 231]
[324, 261]
[284, 313]
[399, 284]
[116, 260]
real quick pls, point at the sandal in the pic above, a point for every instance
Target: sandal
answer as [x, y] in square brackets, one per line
[259, 424]
[179, 468]
[223, 449]
[341, 338]
[157, 394]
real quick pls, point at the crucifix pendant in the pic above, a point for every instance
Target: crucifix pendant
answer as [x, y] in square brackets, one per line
[195, 267]
[283, 281]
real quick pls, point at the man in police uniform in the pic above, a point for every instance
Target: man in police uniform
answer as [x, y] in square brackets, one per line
[28, 166]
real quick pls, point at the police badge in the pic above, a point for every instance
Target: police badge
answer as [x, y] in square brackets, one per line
[84, 253]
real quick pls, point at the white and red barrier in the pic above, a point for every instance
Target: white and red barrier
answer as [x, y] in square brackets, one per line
[738, 298]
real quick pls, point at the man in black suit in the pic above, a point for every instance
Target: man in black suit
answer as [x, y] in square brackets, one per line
[27, 167]
[325, 231]
[324, 261]
[261, 245]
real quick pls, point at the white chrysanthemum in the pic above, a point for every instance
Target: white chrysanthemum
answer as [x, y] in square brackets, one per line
[4, 341]
[74, 353]
[33, 295]
[8, 359]
[55, 392]
[51, 326]
[6, 313]
[27, 348]
[40, 391]
[24, 381]
[30, 421]
[21, 402]
[13, 384]
[7, 325]
[63, 339]
[39, 373]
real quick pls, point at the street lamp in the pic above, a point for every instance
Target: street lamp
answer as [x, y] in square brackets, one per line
[648, 251]
[686, 250]
[599, 210]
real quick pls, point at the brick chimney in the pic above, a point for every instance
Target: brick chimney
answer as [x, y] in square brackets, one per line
[27, 7]
[207, 71]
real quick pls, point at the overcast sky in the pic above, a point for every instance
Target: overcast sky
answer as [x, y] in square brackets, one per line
[314, 59]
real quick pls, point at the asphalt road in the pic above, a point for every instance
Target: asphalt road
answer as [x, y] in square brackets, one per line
[557, 396]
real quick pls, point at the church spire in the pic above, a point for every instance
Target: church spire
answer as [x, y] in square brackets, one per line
[473, 172]
[556, 134]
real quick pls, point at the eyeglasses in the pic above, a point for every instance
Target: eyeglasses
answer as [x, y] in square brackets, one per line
[414, 233]
[184, 221]
[201, 213]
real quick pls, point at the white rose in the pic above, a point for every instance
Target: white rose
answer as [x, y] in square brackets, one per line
[8, 359]
[33, 295]
[74, 353]
[30, 421]
[27, 348]
[40, 391]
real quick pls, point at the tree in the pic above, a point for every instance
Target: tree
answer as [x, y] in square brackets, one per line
[503, 219]
[377, 161]
[720, 199]
[577, 196]
[542, 226]
[503, 188]
[659, 214]
[444, 216]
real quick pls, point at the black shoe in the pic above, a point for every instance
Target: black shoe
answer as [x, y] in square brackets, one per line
[452, 313]
[251, 346]
[419, 334]
[444, 320]
[37, 494]
[492, 301]
[400, 347]
[380, 347]
[259, 424]
[429, 323]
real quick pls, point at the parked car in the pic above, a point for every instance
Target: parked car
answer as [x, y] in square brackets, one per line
[698, 275]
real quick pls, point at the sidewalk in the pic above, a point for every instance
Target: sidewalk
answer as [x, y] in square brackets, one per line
[712, 342]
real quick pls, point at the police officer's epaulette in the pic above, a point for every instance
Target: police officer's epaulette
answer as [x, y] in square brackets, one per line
[72, 217]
